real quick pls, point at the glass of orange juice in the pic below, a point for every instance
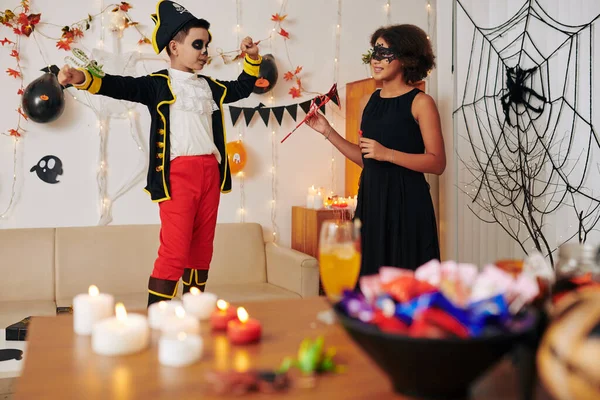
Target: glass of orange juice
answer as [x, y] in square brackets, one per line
[339, 257]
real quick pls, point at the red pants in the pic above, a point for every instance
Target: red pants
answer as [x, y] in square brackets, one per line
[189, 219]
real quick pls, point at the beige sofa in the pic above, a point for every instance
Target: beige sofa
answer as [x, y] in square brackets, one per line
[45, 268]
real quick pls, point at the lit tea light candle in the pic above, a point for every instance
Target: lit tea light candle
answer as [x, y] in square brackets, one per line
[121, 335]
[181, 322]
[222, 315]
[198, 304]
[243, 330]
[310, 197]
[179, 350]
[318, 201]
[90, 308]
[159, 312]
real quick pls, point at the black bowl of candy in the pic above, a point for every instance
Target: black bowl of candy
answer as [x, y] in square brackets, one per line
[434, 334]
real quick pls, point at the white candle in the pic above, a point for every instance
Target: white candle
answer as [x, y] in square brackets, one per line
[121, 335]
[310, 201]
[318, 201]
[181, 322]
[159, 312]
[312, 190]
[198, 304]
[91, 308]
[178, 350]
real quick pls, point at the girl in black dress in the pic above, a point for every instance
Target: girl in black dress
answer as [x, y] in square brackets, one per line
[401, 141]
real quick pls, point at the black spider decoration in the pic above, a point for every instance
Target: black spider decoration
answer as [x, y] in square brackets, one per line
[515, 84]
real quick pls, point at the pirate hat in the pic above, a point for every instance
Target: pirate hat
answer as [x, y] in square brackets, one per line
[170, 17]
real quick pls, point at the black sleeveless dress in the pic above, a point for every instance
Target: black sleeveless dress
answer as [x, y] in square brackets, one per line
[394, 203]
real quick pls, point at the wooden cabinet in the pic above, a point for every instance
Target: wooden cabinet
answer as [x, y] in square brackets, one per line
[306, 227]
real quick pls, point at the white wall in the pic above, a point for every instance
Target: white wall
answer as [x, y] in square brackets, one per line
[472, 240]
[304, 160]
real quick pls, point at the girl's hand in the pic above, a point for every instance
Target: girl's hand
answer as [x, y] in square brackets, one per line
[319, 123]
[372, 149]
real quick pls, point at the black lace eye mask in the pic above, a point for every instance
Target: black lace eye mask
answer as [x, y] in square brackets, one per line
[380, 53]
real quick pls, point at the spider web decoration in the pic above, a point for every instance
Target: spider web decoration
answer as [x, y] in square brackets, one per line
[526, 113]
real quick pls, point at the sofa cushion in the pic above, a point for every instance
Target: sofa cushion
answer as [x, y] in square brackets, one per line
[117, 259]
[239, 255]
[27, 265]
[240, 293]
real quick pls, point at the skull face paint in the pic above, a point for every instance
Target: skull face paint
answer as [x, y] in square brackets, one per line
[198, 44]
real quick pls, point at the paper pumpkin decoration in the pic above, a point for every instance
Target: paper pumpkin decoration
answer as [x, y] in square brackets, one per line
[43, 99]
[570, 349]
[267, 76]
[236, 153]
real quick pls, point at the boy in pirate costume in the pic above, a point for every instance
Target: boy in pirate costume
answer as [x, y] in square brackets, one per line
[188, 160]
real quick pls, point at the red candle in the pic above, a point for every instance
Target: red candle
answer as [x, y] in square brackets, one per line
[222, 315]
[243, 330]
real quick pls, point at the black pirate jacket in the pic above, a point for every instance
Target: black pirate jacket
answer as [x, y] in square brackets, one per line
[155, 92]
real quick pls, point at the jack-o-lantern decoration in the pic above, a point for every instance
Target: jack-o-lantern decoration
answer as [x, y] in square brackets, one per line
[267, 76]
[236, 154]
[43, 99]
[569, 354]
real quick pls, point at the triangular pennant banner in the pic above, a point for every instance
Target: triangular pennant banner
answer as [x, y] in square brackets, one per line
[260, 105]
[305, 106]
[265, 114]
[336, 99]
[334, 95]
[321, 100]
[293, 110]
[248, 114]
[278, 112]
[235, 114]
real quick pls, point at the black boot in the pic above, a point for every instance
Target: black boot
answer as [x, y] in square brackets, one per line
[161, 290]
[194, 278]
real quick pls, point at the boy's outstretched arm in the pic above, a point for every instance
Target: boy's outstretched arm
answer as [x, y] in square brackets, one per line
[139, 90]
[243, 87]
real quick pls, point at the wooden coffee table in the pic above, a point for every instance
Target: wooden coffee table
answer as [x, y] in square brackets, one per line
[61, 365]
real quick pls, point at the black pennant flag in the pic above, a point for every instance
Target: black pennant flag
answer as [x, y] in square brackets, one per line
[235, 114]
[248, 114]
[305, 106]
[336, 99]
[265, 113]
[278, 112]
[321, 100]
[293, 110]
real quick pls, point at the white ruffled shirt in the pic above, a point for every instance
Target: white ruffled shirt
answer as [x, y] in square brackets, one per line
[191, 116]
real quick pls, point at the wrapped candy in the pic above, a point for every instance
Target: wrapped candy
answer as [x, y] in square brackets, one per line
[238, 383]
[409, 311]
[437, 323]
[486, 313]
[407, 287]
[356, 306]
[454, 280]
[489, 283]
[388, 274]
[389, 324]
[370, 286]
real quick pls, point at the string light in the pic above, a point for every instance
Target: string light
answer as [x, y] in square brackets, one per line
[388, 14]
[336, 75]
[241, 131]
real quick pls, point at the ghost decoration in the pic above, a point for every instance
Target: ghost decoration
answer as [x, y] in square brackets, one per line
[236, 153]
[48, 169]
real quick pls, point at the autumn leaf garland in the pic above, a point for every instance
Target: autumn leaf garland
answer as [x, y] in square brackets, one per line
[23, 23]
